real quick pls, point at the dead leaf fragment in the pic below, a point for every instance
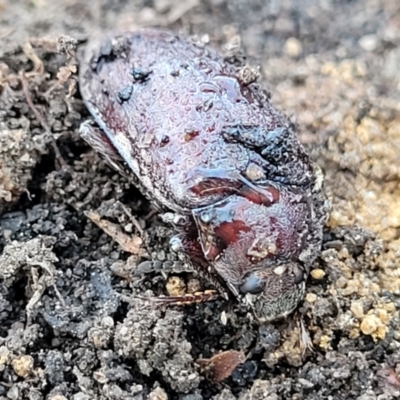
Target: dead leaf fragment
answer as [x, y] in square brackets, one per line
[222, 365]
[128, 243]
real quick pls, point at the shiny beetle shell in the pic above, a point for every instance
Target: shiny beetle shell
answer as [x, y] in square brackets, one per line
[207, 145]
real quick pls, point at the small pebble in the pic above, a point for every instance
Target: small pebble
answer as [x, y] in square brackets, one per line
[370, 324]
[311, 297]
[369, 42]
[224, 318]
[23, 366]
[13, 393]
[193, 286]
[81, 396]
[318, 274]
[176, 286]
[293, 47]
[158, 394]
[357, 309]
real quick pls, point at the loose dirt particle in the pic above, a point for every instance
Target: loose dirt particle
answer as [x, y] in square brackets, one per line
[23, 366]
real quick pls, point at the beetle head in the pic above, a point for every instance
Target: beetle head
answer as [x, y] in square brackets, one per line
[254, 242]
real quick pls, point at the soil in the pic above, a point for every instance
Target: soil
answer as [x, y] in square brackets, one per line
[73, 323]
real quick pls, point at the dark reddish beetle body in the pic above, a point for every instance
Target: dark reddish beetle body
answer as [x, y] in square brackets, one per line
[208, 146]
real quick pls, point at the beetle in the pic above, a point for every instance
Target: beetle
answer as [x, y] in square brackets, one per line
[211, 152]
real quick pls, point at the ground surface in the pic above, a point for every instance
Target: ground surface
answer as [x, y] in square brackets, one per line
[69, 328]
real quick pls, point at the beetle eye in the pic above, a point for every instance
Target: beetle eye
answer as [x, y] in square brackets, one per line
[253, 285]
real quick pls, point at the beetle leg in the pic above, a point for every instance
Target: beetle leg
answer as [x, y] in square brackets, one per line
[178, 221]
[186, 299]
[190, 247]
[99, 141]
